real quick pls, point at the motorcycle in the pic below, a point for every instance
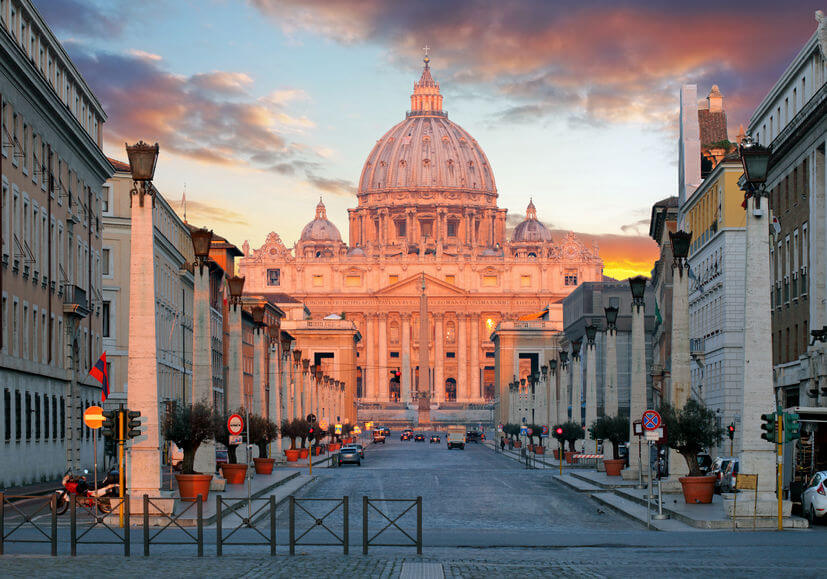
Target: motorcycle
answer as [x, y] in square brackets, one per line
[86, 495]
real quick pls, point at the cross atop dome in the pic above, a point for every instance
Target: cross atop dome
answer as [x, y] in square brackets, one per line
[321, 211]
[426, 98]
[531, 211]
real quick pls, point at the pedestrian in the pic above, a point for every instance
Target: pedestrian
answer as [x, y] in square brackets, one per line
[502, 444]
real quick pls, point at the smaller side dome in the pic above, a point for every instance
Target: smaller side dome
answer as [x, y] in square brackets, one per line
[320, 229]
[531, 230]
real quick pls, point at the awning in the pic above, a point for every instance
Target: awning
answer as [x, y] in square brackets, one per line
[810, 413]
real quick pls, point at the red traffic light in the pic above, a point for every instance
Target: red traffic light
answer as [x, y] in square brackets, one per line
[396, 373]
[731, 428]
[558, 430]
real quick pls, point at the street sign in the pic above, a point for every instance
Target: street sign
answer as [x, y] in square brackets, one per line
[337, 429]
[654, 435]
[523, 431]
[357, 430]
[544, 431]
[529, 431]
[638, 428]
[311, 417]
[651, 420]
[93, 417]
[235, 439]
[235, 424]
[500, 427]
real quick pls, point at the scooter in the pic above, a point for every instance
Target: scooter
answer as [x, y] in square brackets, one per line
[87, 497]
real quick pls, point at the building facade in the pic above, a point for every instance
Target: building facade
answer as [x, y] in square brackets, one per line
[51, 172]
[427, 204]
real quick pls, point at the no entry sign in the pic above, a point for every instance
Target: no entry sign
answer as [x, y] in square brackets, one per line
[651, 420]
[93, 417]
[235, 424]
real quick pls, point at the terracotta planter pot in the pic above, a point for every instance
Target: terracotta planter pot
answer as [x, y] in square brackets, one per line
[569, 455]
[613, 466]
[556, 454]
[697, 489]
[539, 449]
[234, 473]
[264, 465]
[192, 485]
[334, 446]
[304, 452]
[517, 444]
[292, 454]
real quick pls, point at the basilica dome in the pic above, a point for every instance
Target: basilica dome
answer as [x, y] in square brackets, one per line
[320, 229]
[427, 151]
[531, 230]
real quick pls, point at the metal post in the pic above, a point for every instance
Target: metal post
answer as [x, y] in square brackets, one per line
[249, 471]
[640, 465]
[3, 520]
[560, 456]
[649, 493]
[364, 525]
[779, 466]
[292, 525]
[660, 516]
[73, 527]
[219, 532]
[734, 509]
[418, 525]
[199, 521]
[53, 505]
[121, 464]
[127, 530]
[272, 525]
[346, 522]
[95, 459]
[755, 506]
[146, 525]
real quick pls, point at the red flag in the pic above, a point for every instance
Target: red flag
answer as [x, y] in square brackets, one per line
[98, 372]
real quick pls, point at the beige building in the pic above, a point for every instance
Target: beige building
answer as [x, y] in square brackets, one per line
[51, 170]
[427, 204]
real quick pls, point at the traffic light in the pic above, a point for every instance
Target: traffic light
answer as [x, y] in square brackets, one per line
[311, 431]
[731, 430]
[396, 374]
[109, 428]
[133, 423]
[768, 427]
[792, 428]
[558, 430]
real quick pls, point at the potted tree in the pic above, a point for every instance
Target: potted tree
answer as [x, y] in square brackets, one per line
[233, 472]
[262, 433]
[347, 428]
[318, 436]
[188, 425]
[572, 432]
[515, 432]
[561, 441]
[289, 428]
[303, 432]
[536, 431]
[692, 429]
[615, 429]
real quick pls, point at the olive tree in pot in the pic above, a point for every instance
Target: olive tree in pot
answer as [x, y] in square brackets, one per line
[262, 433]
[188, 425]
[572, 432]
[536, 432]
[615, 429]
[233, 472]
[303, 433]
[691, 430]
[290, 429]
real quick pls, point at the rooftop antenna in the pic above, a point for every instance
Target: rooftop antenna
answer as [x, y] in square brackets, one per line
[184, 202]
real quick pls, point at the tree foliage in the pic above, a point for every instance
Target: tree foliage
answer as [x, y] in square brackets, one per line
[615, 429]
[690, 430]
[572, 432]
[222, 434]
[188, 425]
[262, 433]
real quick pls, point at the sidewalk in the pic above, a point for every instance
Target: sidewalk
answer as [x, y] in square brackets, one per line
[33, 490]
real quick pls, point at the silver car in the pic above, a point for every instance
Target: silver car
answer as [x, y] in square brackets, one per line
[349, 454]
[814, 498]
[358, 447]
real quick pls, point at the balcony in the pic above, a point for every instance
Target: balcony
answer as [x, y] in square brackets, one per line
[75, 303]
[697, 350]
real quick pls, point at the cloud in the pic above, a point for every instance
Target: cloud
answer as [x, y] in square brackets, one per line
[202, 212]
[512, 220]
[341, 187]
[597, 62]
[220, 82]
[623, 255]
[84, 18]
[639, 227]
[145, 55]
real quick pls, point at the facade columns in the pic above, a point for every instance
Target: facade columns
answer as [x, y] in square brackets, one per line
[591, 394]
[295, 379]
[259, 372]
[384, 376]
[563, 391]
[462, 357]
[369, 373]
[551, 398]
[576, 387]
[637, 394]
[235, 369]
[274, 410]
[439, 358]
[610, 378]
[405, 379]
[202, 388]
[142, 364]
[475, 394]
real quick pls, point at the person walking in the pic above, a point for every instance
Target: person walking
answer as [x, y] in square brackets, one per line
[502, 444]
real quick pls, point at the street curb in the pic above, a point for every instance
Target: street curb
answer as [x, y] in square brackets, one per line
[572, 485]
[256, 495]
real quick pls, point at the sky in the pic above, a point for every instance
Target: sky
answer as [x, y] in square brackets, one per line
[262, 106]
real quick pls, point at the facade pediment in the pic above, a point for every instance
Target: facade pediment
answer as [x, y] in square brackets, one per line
[412, 286]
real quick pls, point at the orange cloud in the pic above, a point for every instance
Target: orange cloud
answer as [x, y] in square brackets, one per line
[623, 255]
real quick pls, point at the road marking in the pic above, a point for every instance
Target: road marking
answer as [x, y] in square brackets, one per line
[415, 570]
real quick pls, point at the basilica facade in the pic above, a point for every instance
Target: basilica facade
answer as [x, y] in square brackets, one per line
[426, 216]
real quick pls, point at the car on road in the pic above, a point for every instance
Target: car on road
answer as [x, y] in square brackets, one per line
[474, 436]
[358, 447]
[704, 462]
[349, 454]
[719, 466]
[419, 437]
[730, 476]
[435, 438]
[405, 436]
[378, 437]
[814, 498]
[385, 430]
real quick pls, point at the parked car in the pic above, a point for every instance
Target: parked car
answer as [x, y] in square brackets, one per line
[435, 438]
[378, 437]
[704, 462]
[719, 466]
[419, 437]
[349, 454]
[814, 498]
[473, 436]
[406, 435]
[385, 430]
[358, 447]
[730, 475]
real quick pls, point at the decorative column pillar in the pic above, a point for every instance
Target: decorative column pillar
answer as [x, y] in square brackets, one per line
[576, 384]
[235, 368]
[259, 372]
[563, 388]
[475, 395]
[202, 388]
[462, 357]
[405, 379]
[306, 385]
[680, 372]
[142, 365]
[439, 358]
[637, 395]
[610, 377]
[295, 385]
[551, 395]
[274, 410]
[591, 387]
[384, 370]
[373, 370]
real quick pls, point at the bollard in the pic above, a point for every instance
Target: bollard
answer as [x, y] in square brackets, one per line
[146, 525]
[292, 525]
[53, 505]
[73, 526]
[418, 525]
[364, 525]
[345, 521]
[218, 530]
[199, 521]
[272, 525]
[660, 516]
[3, 520]
[127, 530]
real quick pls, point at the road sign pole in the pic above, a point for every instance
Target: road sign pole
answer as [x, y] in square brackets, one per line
[779, 467]
[121, 466]
[95, 458]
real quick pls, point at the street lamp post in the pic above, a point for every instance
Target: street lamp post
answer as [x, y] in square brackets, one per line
[576, 384]
[637, 396]
[552, 394]
[142, 365]
[235, 369]
[260, 368]
[563, 388]
[202, 386]
[591, 385]
[610, 406]
[274, 410]
[757, 457]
